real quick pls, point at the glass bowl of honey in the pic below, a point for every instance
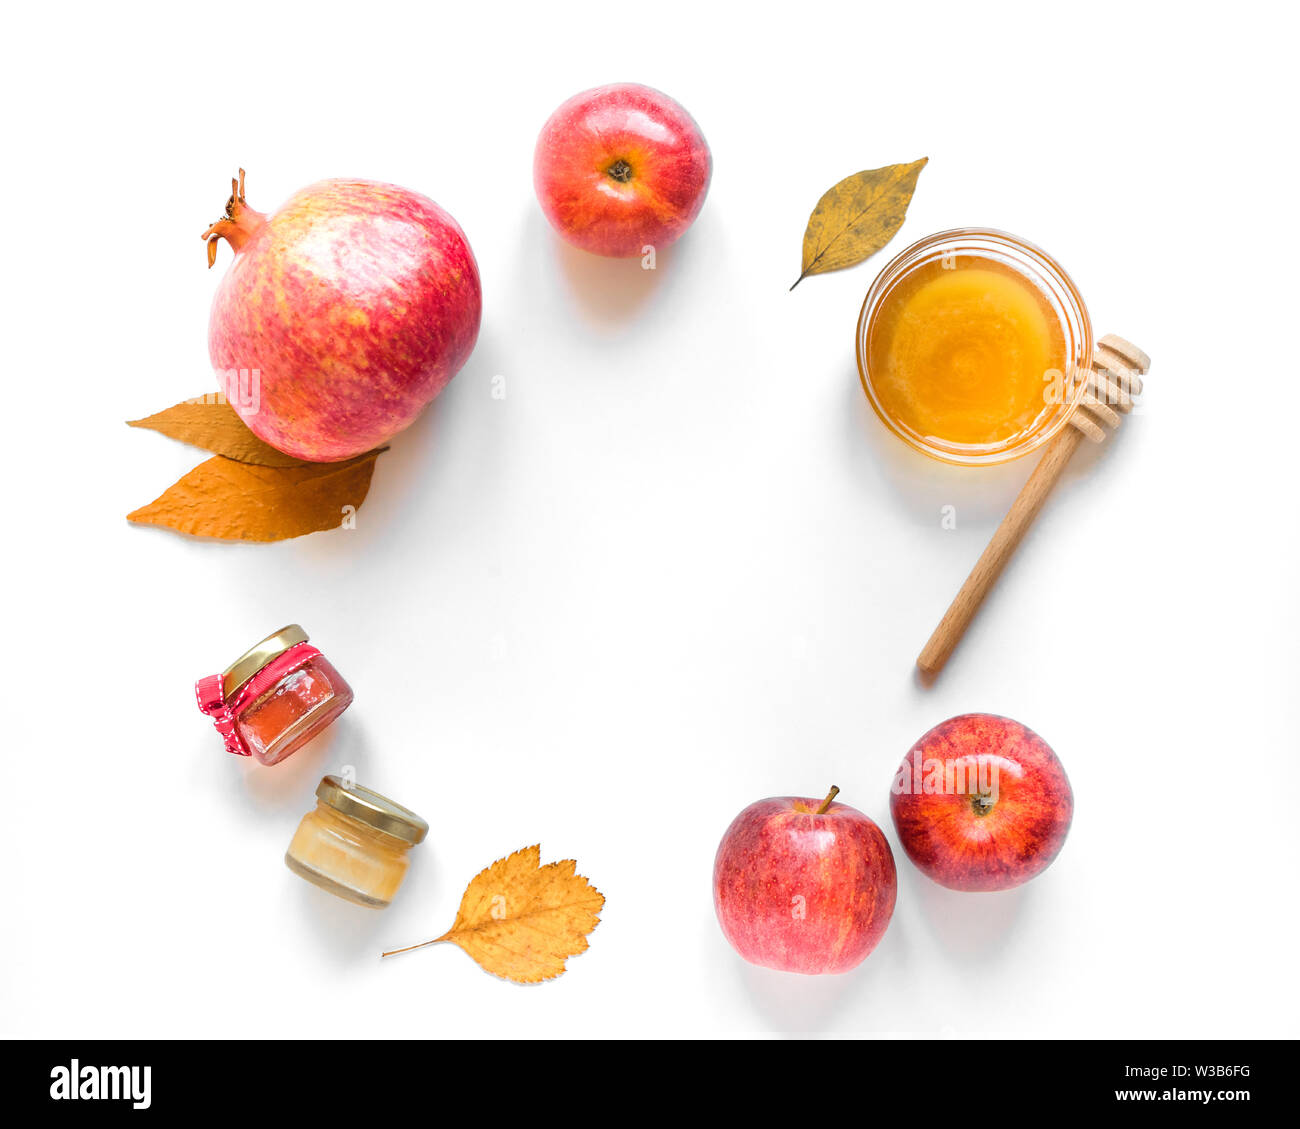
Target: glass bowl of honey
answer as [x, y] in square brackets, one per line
[973, 346]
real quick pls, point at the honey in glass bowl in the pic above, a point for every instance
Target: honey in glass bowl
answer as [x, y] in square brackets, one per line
[972, 344]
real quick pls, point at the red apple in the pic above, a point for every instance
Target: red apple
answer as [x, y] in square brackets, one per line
[804, 885]
[621, 168]
[981, 803]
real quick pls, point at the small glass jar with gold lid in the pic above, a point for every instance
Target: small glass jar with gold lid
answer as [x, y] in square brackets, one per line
[275, 697]
[355, 843]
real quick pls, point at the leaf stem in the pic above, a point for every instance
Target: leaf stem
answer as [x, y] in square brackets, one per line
[412, 948]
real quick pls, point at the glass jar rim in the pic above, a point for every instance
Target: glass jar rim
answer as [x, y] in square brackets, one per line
[372, 809]
[258, 655]
[1037, 265]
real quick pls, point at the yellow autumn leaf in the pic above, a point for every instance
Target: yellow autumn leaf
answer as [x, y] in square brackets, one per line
[857, 217]
[520, 920]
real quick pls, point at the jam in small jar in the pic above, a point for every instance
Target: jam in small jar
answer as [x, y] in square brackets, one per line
[274, 698]
[355, 843]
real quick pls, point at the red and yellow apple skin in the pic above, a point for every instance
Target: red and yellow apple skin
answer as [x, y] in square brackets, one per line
[801, 890]
[356, 302]
[966, 841]
[621, 168]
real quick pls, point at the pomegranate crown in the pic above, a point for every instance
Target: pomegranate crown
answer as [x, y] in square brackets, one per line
[239, 223]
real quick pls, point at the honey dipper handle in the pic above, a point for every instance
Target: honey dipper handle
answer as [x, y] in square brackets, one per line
[999, 550]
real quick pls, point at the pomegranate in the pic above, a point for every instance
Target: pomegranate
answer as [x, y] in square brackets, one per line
[344, 313]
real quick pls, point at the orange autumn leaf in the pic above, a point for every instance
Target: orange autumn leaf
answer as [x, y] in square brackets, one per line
[212, 424]
[239, 501]
[521, 921]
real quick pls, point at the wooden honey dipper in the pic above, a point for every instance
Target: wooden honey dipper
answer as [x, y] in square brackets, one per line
[1114, 378]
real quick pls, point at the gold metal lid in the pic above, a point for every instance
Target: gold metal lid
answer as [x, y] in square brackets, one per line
[372, 809]
[252, 660]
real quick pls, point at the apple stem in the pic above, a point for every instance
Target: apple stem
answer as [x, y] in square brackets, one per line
[826, 803]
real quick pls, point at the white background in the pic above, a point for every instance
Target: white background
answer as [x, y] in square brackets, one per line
[680, 566]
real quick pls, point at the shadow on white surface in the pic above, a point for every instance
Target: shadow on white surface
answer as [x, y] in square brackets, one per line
[918, 483]
[792, 1003]
[981, 494]
[344, 932]
[611, 292]
[458, 424]
[290, 786]
[971, 927]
